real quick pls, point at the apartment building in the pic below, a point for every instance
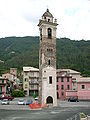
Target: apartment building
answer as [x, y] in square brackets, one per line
[3, 82]
[30, 80]
[83, 86]
[64, 82]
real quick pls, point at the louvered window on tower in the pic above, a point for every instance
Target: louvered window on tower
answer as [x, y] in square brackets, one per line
[48, 62]
[49, 52]
[49, 33]
[48, 20]
[40, 34]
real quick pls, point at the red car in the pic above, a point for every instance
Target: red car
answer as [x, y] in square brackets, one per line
[10, 98]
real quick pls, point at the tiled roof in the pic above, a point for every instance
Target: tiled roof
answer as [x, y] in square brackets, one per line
[47, 14]
[68, 70]
[30, 69]
[2, 78]
[84, 79]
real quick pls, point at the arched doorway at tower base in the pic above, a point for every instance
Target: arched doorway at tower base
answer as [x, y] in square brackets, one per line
[49, 100]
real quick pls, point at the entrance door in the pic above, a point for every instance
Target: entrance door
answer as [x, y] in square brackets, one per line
[49, 99]
[57, 95]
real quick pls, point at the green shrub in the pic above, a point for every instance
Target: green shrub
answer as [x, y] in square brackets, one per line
[82, 115]
[18, 93]
[35, 95]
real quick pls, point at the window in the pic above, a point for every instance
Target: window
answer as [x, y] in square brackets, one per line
[50, 79]
[2, 81]
[29, 80]
[32, 74]
[62, 93]
[48, 62]
[0, 88]
[44, 17]
[25, 86]
[48, 20]
[57, 79]
[83, 87]
[57, 87]
[50, 51]
[61, 79]
[25, 79]
[25, 73]
[32, 86]
[49, 33]
[62, 87]
[68, 87]
[67, 79]
[41, 34]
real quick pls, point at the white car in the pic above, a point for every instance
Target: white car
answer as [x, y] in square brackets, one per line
[36, 99]
[5, 102]
[21, 102]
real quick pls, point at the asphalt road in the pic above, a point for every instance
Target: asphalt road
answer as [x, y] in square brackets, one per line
[64, 111]
[48, 114]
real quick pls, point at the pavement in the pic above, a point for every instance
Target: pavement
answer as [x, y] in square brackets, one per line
[64, 111]
[61, 104]
[44, 114]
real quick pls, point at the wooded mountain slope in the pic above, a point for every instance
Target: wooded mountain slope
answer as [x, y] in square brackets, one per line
[24, 51]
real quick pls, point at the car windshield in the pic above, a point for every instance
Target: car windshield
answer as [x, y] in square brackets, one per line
[21, 100]
[36, 98]
[5, 100]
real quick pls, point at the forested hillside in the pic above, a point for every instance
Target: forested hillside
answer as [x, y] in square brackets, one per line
[24, 51]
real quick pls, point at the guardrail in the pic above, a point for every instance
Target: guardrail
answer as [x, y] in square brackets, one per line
[79, 116]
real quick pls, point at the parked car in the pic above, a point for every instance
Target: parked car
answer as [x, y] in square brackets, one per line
[5, 102]
[7, 97]
[73, 99]
[21, 102]
[29, 102]
[36, 99]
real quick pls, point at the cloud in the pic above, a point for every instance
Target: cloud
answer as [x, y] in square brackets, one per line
[20, 17]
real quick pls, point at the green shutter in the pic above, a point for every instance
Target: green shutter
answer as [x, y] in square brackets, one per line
[67, 79]
[2, 81]
[83, 87]
[61, 79]
[0, 88]
[57, 79]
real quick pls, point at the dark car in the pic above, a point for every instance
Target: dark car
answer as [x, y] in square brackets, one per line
[10, 98]
[73, 99]
[28, 102]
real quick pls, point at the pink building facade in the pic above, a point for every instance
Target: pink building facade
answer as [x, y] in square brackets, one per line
[71, 93]
[2, 85]
[83, 85]
[71, 84]
[64, 82]
[83, 89]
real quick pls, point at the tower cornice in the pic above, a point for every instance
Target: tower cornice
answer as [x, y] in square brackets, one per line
[46, 22]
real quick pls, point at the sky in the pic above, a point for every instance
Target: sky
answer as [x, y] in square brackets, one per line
[21, 17]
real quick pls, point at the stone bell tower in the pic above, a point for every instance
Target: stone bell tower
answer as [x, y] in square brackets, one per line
[47, 59]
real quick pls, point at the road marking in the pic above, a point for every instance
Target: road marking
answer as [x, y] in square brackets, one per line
[54, 112]
[15, 118]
